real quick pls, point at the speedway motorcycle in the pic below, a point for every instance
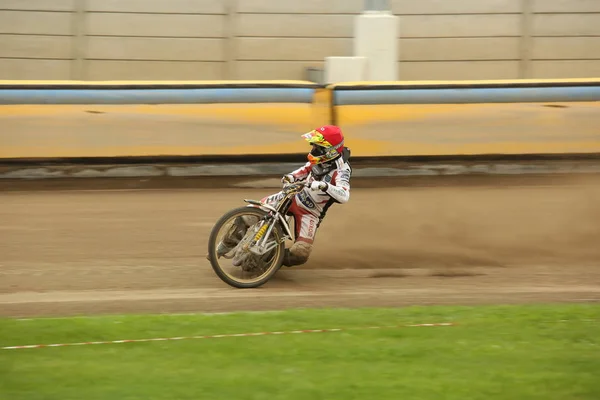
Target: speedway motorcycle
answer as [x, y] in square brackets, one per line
[259, 253]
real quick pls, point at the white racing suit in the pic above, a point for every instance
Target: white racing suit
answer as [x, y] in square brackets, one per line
[310, 206]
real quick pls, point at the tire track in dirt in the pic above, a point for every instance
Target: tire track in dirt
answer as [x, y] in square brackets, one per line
[69, 252]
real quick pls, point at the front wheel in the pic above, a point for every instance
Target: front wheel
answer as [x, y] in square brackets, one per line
[226, 248]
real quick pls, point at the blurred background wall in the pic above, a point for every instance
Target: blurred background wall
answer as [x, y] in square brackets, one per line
[281, 39]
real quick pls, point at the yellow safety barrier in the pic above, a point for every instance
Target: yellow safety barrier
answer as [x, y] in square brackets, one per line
[568, 121]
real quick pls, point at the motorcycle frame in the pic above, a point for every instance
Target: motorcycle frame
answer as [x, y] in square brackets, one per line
[278, 212]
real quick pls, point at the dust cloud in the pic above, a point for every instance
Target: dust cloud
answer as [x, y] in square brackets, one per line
[489, 225]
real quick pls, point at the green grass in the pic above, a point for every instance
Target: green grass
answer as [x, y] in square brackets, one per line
[499, 352]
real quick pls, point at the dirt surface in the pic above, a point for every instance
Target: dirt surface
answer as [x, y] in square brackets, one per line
[456, 241]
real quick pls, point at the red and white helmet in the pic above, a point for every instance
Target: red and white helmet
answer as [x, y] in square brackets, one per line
[327, 144]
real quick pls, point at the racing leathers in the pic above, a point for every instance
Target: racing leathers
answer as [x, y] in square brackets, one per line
[331, 185]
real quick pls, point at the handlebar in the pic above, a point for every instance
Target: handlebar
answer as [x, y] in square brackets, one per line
[295, 187]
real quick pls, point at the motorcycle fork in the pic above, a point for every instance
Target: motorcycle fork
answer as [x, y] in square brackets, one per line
[265, 230]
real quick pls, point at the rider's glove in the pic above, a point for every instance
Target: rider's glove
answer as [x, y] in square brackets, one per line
[318, 185]
[287, 179]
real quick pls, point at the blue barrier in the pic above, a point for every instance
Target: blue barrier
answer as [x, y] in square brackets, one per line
[349, 96]
[133, 92]
[156, 96]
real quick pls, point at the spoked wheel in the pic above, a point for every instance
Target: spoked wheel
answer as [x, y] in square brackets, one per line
[236, 265]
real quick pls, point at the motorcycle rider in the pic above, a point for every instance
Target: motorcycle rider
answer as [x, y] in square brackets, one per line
[329, 183]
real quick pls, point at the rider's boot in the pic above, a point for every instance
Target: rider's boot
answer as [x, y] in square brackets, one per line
[297, 254]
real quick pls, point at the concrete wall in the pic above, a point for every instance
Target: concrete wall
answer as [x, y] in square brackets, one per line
[279, 39]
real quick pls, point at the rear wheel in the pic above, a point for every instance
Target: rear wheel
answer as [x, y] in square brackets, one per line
[226, 249]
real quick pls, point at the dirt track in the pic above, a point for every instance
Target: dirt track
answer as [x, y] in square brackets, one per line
[73, 252]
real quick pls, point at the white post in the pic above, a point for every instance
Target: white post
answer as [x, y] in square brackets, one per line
[345, 69]
[376, 39]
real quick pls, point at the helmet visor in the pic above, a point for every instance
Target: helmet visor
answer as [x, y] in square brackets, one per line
[314, 137]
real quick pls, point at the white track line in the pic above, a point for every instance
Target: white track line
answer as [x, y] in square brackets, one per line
[183, 314]
[37, 346]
